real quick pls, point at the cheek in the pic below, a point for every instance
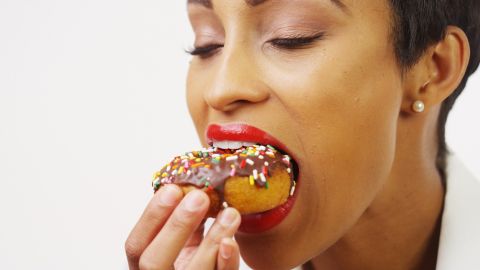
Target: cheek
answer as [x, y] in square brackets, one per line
[191, 93]
[195, 102]
[344, 108]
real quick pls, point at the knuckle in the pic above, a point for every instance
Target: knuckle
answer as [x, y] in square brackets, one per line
[212, 239]
[155, 210]
[133, 249]
[158, 206]
[180, 222]
[215, 235]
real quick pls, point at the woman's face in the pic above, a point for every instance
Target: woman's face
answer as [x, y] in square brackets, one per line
[322, 78]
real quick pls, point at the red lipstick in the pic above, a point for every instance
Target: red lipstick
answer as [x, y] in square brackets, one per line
[258, 222]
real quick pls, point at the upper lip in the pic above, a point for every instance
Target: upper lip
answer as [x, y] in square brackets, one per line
[242, 132]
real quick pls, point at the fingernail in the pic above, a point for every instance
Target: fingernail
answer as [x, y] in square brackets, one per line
[194, 201]
[226, 250]
[169, 195]
[228, 217]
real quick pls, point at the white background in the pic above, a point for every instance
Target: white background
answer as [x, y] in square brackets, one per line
[91, 102]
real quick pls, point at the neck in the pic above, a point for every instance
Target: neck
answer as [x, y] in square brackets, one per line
[400, 229]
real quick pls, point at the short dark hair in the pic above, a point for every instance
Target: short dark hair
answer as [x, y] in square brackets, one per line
[418, 24]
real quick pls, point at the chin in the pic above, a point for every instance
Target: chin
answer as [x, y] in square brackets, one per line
[267, 252]
[265, 261]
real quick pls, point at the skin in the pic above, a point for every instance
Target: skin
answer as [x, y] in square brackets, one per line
[370, 196]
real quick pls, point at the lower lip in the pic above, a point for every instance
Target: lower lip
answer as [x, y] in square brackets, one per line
[261, 222]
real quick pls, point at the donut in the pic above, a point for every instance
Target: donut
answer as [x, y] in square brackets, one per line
[252, 179]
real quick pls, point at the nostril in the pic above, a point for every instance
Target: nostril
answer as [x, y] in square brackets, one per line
[234, 88]
[242, 102]
[229, 100]
[235, 105]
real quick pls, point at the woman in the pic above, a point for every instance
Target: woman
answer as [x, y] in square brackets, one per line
[359, 92]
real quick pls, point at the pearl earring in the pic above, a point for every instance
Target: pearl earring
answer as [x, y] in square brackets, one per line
[418, 106]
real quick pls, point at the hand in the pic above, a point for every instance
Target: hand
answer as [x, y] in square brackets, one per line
[169, 234]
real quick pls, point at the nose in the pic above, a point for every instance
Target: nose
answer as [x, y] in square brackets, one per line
[237, 82]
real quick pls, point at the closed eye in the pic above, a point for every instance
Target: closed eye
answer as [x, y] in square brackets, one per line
[295, 42]
[289, 43]
[204, 51]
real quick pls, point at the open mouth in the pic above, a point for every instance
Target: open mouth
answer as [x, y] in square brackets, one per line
[235, 145]
[235, 136]
[239, 145]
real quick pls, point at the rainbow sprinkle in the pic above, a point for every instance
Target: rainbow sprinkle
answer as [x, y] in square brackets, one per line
[202, 167]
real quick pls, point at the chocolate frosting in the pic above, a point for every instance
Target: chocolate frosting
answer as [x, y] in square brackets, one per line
[211, 167]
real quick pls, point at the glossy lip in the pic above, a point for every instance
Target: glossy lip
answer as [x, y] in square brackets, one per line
[258, 222]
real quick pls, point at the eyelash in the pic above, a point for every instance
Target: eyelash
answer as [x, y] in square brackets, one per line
[203, 51]
[290, 43]
[296, 42]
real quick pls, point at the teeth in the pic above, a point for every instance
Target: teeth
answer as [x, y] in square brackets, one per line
[234, 145]
[221, 144]
[247, 144]
[231, 144]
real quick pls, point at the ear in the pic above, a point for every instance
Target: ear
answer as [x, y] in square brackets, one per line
[438, 72]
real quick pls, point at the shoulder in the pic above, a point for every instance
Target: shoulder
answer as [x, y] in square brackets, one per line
[460, 234]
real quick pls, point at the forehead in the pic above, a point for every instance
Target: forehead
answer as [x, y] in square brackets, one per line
[364, 13]
[252, 3]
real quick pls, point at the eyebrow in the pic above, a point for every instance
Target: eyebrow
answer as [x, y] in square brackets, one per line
[253, 3]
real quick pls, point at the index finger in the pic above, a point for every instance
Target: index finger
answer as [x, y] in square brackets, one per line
[151, 222]
[177, 230]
